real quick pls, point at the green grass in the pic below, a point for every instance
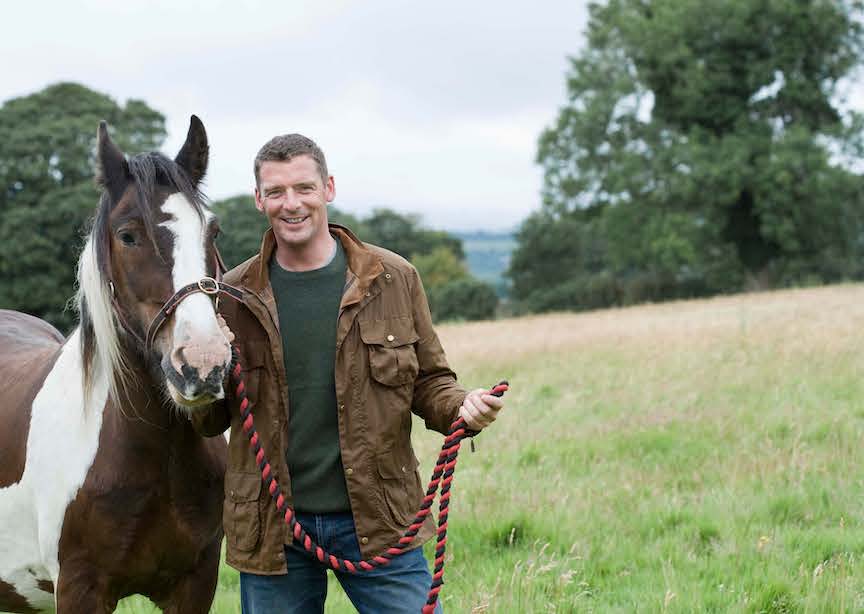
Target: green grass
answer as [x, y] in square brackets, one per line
[691, 457]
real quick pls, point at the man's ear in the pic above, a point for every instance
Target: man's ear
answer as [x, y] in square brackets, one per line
[259, 203]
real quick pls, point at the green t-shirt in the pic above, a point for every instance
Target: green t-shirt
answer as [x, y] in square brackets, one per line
[308, 306]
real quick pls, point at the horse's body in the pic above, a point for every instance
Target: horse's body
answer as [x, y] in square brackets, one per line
[105, 489]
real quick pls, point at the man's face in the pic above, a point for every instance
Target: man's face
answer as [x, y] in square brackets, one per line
[294, 198]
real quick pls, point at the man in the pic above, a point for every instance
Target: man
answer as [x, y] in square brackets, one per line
[338, 347]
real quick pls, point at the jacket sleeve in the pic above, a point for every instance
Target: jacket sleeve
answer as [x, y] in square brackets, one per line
[211, 421]
[437, 396]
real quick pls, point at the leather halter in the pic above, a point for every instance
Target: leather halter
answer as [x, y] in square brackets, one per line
[207, 285]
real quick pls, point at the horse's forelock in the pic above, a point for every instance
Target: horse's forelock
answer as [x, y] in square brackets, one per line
[152, 171]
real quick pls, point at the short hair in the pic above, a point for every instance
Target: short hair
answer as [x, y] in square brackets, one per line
[286, 147]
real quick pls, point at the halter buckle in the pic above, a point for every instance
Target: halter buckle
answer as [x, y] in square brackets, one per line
[208, 285]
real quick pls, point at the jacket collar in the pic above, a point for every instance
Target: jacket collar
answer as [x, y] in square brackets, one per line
[362, 262]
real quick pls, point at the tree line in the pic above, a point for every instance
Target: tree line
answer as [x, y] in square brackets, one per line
[701, 149]
[48, 197]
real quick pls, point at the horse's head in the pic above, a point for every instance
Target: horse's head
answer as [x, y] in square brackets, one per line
[153, 234]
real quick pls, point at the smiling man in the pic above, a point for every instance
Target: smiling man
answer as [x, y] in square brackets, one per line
[339, 350]
[294, 194]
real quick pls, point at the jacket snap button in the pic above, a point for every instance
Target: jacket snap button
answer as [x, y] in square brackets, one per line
[349, 471]
[390, 337]
[404, 470]
[368, 294]
[387, 276]
[364, 540]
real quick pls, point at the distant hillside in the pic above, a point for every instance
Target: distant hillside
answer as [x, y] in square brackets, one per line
[487, 255]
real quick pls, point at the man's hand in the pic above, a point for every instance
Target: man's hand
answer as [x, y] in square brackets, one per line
[479, 409]
[223, 326]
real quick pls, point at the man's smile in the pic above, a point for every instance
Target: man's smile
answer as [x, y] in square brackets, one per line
[294, 220]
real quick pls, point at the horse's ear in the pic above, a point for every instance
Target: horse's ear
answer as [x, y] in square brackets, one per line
[112, 171]
[195, 152]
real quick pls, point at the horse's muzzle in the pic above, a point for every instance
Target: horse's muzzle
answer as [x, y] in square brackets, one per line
[188, 388]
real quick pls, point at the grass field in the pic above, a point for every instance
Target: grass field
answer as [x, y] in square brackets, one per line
[687, 457]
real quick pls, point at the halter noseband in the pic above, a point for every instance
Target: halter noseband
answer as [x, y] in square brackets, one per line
[205, 285]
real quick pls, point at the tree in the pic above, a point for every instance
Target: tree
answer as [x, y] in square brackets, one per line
[439, 267]
[466, 298]
[453, 293]
[47, 192]
[403, 234]
[700, 151]
[241, 227]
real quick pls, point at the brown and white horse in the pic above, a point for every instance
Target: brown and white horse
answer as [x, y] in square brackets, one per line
[105, 489]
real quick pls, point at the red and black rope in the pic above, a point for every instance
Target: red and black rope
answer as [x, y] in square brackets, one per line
[442, 477]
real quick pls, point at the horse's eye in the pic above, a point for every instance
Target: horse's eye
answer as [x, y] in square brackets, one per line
[128, 238]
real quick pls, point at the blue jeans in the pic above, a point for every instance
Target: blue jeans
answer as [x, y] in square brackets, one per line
[397, 588]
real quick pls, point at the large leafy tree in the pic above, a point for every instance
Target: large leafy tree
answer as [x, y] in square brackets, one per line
[700, 150]
[47, 192]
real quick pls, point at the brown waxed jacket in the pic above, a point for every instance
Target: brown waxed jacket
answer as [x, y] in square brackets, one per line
[389, 363]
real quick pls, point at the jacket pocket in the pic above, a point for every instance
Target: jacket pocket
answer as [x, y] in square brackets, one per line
[241, 515]
[400, 486]
[390, 343]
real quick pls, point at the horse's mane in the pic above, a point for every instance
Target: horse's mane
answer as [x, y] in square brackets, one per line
[101, 334]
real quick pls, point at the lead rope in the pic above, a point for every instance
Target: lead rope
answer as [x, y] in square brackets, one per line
[442, 476]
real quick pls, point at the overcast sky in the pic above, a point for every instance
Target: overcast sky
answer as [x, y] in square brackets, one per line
[432, 107]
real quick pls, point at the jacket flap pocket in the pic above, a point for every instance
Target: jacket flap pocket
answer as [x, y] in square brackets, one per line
[393, 466]
[242, 487]
[392, 332]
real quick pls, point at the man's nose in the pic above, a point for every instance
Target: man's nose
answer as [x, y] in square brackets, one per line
[291, 200]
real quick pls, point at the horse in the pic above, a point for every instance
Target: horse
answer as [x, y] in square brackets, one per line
[106, 490]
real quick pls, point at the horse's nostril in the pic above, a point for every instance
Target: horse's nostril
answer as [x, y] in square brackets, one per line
[206, 389]
[213, 381]
[178, 359]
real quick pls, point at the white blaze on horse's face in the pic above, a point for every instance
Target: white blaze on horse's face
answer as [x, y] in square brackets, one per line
[199, 352]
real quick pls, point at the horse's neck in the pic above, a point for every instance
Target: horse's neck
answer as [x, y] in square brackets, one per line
[145, 407]
[138, 407]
